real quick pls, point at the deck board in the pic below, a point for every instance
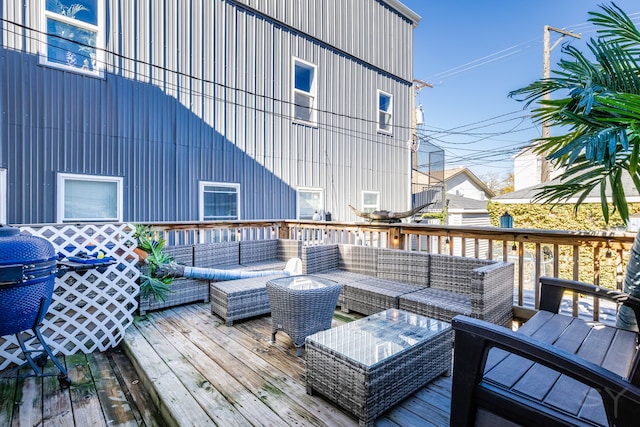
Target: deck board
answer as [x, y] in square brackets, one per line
[84, 396]
[27, 408]
[7, 397]
[137, 396]
[56, 402]
[191, 369]
[115, 406]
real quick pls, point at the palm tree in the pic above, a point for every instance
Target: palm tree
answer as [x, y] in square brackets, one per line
[598, 114]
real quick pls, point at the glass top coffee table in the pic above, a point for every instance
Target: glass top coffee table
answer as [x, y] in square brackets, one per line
[371, 364]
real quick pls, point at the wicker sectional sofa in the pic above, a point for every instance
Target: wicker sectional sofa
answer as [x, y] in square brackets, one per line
[437, 286]
[372, 279]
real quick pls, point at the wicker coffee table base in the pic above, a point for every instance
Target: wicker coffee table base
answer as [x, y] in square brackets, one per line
[369, 392]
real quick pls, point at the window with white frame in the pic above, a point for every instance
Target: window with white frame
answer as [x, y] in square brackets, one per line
[89, 198]
[219, 201]
[310, 202]
[73, 35]
[305, 90]
[385, 112]
[370, 201]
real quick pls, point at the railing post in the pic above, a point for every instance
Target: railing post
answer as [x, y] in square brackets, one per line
[596, 281]
[396, 238]
[537, 274]
[619, 270]
[576, 276]
[283, 231]
[520, 252]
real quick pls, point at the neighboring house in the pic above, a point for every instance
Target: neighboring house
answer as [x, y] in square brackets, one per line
[528, 171]
[467, 198]
[466, 211]
[472, 213]
[203, 110]
[461, 186]
[528, 195]
[462, 182]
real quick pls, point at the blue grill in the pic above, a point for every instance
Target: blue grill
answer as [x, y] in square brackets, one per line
[27, 278]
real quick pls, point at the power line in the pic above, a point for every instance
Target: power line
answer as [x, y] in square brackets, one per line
[513, 50]
[480, 61]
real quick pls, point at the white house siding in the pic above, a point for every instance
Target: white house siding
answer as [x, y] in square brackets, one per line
[199, 91]
[460, 185]
[526, 170]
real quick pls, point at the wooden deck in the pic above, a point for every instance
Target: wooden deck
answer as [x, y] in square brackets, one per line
[198, 372]
[105, 391]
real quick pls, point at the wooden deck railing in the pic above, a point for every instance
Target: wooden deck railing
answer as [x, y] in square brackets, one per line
[109, 297]
[594, 257]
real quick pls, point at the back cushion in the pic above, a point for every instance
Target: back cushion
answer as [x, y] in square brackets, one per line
[289, 248]
[316, 259]
[216, 255]
[252, 251]
[453, 272]
[182, 254]
[404, 266]
[359, 259]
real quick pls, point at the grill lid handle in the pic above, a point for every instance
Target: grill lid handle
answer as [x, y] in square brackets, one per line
[11, 274]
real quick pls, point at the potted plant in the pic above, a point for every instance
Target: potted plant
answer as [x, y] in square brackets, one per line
[153, 283]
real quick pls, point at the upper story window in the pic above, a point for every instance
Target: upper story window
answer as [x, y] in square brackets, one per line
[219, 201]
[385, 112]
[370, 201]
[89, 198]
[305, 90]
[73, 35]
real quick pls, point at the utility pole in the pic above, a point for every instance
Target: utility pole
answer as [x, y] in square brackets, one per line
[418, 85]
[545, 167]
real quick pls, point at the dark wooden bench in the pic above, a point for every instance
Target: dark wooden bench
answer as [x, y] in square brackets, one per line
[555, 370]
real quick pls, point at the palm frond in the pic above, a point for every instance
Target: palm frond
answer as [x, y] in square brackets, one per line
[615, 26]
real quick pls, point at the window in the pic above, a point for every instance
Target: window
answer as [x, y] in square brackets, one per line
[89, 198]
[73, 35]
[385, 112]
[310, 201]
[219, 201]
[370, 201]
[304, 92]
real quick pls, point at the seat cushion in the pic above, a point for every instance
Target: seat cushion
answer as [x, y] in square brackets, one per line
[436, 303]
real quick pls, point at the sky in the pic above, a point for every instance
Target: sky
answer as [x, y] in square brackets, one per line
[474, 53]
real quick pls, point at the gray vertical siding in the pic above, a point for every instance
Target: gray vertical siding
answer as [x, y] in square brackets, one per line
[199, 91]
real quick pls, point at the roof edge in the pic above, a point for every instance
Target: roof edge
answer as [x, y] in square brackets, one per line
[403, 9]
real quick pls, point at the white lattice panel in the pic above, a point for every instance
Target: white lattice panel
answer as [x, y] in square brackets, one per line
[91, 310]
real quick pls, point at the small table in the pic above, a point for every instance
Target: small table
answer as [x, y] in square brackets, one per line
[301, 305]
[369, 365]
[65, 265]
